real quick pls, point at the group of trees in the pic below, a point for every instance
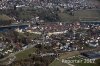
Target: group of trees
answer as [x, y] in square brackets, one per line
[47, 14]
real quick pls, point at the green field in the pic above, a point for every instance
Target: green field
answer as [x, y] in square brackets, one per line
[83, 62]
[57, 63]
[80, 14]
[25, 54]
[4, 17]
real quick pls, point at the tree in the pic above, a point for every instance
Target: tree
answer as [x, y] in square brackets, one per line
[98, 62]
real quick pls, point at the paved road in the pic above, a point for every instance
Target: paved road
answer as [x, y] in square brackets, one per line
[30, 46]
[13, 54]
[73, 53]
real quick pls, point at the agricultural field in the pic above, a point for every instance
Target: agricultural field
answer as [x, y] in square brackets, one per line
[57, 63]
[25, 54]
[81, 14]
[76, 57]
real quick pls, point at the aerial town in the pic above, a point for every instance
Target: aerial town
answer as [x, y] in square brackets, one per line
[49, 32]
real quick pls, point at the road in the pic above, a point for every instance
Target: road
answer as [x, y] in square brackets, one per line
[13, 54]
[73, 53]
[67, 54]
